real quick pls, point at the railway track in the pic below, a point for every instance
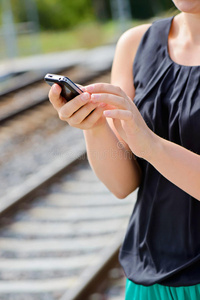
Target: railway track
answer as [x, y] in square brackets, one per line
[34, 93]
[35, 133]
[60, 236]
[29, 90]
[61, 229]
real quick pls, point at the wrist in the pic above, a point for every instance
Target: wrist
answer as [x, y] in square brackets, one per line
[96, 130]
[152, 150]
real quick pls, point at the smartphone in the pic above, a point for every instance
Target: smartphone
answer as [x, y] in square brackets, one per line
[69, 88]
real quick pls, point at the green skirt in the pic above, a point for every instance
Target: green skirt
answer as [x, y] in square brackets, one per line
[161, 292]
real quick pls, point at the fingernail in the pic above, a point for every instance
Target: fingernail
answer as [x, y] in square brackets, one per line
[85, 96]
[95, 97]
[55, 88]
[107, 113]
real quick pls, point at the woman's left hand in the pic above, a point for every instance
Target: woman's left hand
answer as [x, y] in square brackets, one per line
[126, 117]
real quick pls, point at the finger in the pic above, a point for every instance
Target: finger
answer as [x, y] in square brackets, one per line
[93, 118]
[55, 98]
[117, 101]
[118, 114]
[72, 106]
[106, 106]
[104, 88]
[78, 117]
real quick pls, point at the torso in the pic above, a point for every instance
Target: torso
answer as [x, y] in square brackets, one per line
[162, 236]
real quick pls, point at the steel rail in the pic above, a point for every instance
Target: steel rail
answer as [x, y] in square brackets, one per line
[20, 193]
[97, 275]
[30, 105]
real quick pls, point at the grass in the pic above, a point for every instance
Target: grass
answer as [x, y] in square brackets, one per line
[87, 36]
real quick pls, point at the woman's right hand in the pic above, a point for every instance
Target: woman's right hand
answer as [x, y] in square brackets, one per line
[79, 112]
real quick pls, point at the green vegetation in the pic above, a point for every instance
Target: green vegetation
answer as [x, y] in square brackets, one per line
[89, 35]
[72, 24]
[59, 14]
[54, 14]
[62, 14]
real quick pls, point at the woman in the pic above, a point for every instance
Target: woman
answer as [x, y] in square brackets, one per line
[156, 142]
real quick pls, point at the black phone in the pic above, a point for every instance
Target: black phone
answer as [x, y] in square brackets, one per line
[69, 88]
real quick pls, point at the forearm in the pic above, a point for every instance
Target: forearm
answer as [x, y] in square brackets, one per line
[113, 164]
[177, 164]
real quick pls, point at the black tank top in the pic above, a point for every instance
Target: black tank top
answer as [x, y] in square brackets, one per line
[162, 243]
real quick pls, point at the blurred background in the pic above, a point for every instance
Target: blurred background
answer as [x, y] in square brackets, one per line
[53, 36]
[60, 228]
[40, 26]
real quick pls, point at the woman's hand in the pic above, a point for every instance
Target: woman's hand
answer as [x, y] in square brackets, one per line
[126, 117]
[79, 112]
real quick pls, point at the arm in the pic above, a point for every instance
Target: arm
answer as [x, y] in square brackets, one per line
[113, 162]
[177, 164]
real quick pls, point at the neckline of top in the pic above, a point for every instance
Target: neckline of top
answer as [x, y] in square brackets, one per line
[167, 48]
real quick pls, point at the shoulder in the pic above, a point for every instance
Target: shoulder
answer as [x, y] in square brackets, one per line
[132, 37]
[134, 33]
[126, 50]
[129, 42]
